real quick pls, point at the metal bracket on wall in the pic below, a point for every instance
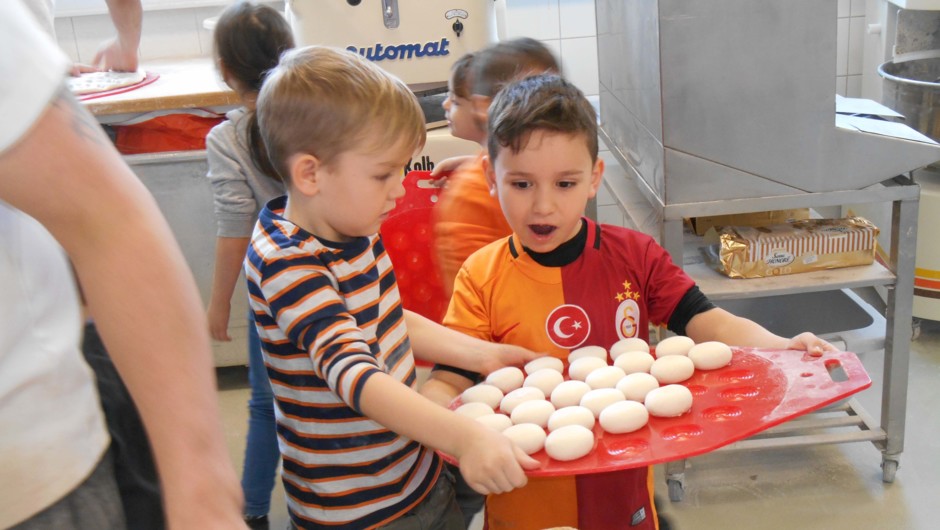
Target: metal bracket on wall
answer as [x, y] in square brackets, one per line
[390, 13]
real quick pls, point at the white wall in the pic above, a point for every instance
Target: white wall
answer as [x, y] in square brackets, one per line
[850, 32]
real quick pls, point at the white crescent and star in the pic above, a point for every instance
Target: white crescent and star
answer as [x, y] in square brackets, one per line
[557, 328]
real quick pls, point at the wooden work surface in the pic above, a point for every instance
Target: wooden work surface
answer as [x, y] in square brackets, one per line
[183, 84]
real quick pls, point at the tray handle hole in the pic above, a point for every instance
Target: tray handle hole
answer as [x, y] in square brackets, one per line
[836, 372]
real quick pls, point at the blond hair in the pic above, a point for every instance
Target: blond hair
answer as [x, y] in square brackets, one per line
[325, 101]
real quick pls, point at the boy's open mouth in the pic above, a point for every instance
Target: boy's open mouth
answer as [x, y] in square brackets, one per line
[541, 230]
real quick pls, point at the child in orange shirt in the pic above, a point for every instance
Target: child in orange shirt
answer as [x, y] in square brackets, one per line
[468, 217]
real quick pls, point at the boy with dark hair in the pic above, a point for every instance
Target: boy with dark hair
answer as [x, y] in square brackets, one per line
[561, 281]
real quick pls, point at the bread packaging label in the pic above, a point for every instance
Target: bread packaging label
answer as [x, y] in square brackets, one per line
[798, 246]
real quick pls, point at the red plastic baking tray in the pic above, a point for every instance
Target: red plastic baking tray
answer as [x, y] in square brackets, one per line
[408, 238]
[759, 389]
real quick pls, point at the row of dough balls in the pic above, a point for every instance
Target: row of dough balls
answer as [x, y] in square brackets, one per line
[621, 397]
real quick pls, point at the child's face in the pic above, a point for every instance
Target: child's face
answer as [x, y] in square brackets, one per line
[357, 191]
[460, 118]
[544, 188]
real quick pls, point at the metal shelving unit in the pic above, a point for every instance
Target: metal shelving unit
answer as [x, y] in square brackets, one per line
[665, 222]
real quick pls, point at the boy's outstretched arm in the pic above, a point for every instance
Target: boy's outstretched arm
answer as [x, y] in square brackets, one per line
[718, 324]
[437, 344]
[443, 386]
[489, 461]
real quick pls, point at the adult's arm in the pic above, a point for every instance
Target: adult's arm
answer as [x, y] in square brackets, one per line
[65, 173]
[120, 52]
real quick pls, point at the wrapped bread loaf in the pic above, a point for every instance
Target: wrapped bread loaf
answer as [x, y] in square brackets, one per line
[799, 246]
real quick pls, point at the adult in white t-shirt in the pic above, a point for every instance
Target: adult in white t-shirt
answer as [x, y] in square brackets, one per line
[62, 183]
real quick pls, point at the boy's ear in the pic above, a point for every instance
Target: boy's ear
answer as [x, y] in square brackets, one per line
[596, 175]
[304, 173]
[490, 174]
[481, 109]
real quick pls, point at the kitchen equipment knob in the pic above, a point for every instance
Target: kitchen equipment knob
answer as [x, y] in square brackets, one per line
[458, 27]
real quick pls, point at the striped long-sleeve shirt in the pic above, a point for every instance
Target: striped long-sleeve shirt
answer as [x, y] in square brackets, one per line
[330, 316]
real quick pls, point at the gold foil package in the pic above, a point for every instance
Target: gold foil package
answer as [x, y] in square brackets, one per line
[798, 246]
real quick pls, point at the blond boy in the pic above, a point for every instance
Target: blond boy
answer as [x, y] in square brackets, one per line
[357, 440]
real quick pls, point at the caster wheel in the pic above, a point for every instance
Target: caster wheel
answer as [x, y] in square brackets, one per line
[676, 490]
[915, 329]
[888, 469]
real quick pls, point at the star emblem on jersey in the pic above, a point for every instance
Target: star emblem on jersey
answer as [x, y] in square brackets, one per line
[568, 326]
[627, 293]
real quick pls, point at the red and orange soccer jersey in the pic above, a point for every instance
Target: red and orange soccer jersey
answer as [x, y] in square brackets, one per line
[621, 282]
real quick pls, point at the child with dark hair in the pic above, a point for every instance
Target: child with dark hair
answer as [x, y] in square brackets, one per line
[249, 39]
[468, 217]
[609, 282]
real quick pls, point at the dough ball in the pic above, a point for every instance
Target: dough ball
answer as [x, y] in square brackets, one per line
[710, 355]
[569, 443]
[669, 401]
[536, 411]
[513, 399]
[588, 351]
[677, 345]
[482, 393]
[634, 361]
[497, 422]
[596, 400]
[506, 379]
[569, 393]
[632, 344]
[530, 438]
[604, 377]
[551, 363]
[672, 369]
[544, 380]
[580, 368]
[623, 417]
[474, 410]
[574, 415]
[636, 386]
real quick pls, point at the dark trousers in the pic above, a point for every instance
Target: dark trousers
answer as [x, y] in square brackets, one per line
[134, 469]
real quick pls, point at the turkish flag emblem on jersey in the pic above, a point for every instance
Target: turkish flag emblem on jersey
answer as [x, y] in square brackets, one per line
[568, 326]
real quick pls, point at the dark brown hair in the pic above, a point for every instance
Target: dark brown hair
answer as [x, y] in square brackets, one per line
[460, 75]
[507, 61]
[540, 103]
[249, 39]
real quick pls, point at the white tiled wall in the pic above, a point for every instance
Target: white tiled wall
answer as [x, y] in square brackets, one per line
[850, 32]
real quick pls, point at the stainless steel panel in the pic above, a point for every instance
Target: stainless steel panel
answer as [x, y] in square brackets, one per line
[178, 182]
[691, 179]
[748, 84]
[631, 111]
[746, 87]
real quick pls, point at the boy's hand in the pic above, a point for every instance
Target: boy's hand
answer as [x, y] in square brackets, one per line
[447, 166]
[492, 464]
[810, 343]
[502, 355]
